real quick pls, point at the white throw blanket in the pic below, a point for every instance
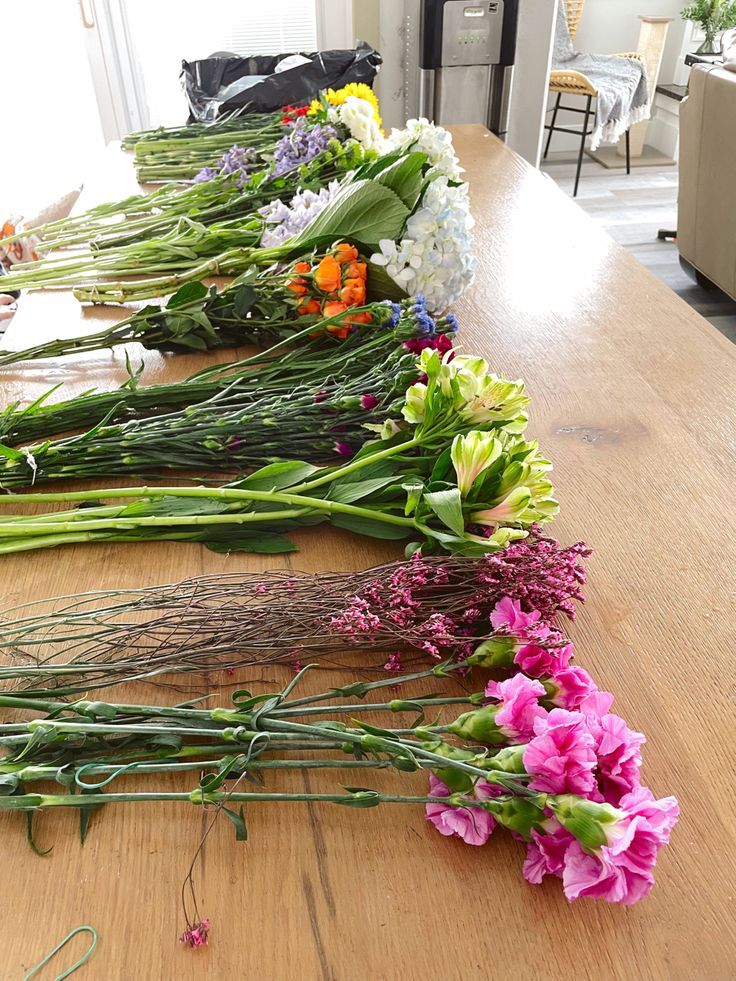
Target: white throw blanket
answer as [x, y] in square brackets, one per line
[621, 84]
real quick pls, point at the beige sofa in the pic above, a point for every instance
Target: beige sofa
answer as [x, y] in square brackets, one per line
[706, 216]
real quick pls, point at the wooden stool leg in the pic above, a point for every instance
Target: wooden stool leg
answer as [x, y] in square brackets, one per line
[628, 152]
[582, 144]
[552, 124]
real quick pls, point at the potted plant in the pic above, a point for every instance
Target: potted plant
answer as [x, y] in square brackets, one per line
[712, 16]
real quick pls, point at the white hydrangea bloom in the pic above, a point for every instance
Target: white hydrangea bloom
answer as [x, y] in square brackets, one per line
[358, 116]
[435, 141]
[435, 256]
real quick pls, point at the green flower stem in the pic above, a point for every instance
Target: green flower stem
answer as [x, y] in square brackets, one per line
[356, 465]
[441, 670]
[300, 505]
[360, 739]
[31, 773]
[26, 802]
[397, 705]
[233, 716]
[230, 262]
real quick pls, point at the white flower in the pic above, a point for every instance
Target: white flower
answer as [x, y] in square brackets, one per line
[413, 409]
[436, 142]
[435, 256]
[358, 116]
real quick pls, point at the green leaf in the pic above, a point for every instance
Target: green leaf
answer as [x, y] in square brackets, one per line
[380, 286]
[277, 476]
[447, 505]
[404, 177]
[353, 490]
[363, 212]
[15, 455]
[369, 527]
[264, 543]
[189, 293]
[238, 819]
[243, 301]
[29, 835]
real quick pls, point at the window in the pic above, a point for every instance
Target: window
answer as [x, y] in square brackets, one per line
[167, 31]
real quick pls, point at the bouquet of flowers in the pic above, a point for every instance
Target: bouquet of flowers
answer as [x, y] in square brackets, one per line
[453, 471]
[539, 753]
[321, 414]
[441, 606]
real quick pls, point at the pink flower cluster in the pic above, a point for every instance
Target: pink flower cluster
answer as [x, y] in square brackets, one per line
[196, 935]
[441, 609]
[574, 748]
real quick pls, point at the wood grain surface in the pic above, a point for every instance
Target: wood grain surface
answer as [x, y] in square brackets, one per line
[633, 401]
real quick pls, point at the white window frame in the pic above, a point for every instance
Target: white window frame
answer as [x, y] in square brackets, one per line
[334, 24]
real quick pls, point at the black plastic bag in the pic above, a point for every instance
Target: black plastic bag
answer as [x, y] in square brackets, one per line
[206, 82]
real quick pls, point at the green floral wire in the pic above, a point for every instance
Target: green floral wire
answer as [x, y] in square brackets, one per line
[62, 943]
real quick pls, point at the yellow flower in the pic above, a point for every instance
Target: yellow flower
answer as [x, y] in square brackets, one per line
[361, 91]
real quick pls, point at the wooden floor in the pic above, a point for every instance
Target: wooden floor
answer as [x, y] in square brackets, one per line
[632, 209]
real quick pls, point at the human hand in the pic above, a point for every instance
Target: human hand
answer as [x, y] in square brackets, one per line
[7, 306]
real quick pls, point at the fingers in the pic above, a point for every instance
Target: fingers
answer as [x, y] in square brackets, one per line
[7, 306]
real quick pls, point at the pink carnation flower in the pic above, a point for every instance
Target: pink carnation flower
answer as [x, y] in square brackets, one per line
[536, 660]
[546, 853]
[472, 824]
[617, 747]
[507, 613]
[621, 871]
[561, 757]
[520, 705]
[573, 684]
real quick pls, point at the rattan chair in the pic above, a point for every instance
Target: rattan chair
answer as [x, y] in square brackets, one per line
[567, 82]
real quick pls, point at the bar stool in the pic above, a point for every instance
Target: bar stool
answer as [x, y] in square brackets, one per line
[569, 82]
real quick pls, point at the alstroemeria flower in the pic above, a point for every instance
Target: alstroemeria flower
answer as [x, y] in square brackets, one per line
[414, 404]
[507, 510]
[471, 455]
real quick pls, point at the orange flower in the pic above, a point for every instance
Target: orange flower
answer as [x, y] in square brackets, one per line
[344, 252]
[355, 270]
[361, 318]
[297, 286]
[327, 275]
[333, 307]
[309, 306]
[302, 267]
[353, 292]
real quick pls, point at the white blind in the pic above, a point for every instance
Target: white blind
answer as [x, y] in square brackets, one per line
[272, 27]
[166, 31]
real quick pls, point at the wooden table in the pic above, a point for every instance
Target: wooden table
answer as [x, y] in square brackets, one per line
[632, 399]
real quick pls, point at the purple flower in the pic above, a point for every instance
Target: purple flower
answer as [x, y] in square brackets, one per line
[302, 143]
[235, 161]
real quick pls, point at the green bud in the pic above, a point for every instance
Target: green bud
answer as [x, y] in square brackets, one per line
[479, 726]
[585, 819]
[509, 760]
[498, 652]
[520, 814]
[457, 780]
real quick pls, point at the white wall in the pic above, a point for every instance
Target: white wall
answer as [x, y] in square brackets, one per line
[608, 26]
[611, 26]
